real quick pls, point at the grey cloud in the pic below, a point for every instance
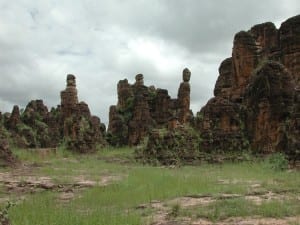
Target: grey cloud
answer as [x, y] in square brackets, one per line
[102, 42]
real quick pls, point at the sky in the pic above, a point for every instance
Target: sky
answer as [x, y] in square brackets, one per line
[102, 42]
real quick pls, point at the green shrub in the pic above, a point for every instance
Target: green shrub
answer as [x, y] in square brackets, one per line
[175, 210]
[4, 220]
[278, 161]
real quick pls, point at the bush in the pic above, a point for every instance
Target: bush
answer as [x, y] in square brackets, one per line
[175, 210]
[4, 220]
[278, 162]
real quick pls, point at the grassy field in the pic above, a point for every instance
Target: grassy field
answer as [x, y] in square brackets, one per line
[126, 192]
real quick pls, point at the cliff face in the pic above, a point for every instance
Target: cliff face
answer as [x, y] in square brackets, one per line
[256, 101]
[141, 108]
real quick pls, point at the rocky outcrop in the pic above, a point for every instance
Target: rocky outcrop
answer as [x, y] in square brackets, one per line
[289, 36]
[6, 156]
[171, 146]
[269, 101]
[117, 134]
[161, 108]
[255, 103]
[82, 131]
[141, 121]
[69, 98]
[14, 119]
[221, 126]
[141, 108]
[225, 81]
[245, 59]
[35, 128]
[184, 97]
[124, 93]
[71, 122]
[266, 35]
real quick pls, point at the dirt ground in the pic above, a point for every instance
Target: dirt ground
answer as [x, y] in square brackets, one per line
[22, 181]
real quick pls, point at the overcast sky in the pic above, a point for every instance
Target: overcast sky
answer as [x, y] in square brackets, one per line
[101, 42]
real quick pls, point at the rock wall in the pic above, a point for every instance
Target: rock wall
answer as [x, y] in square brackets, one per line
[141, 108]
[14, 119]
[256, 101]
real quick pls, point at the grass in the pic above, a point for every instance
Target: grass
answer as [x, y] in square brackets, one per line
[116, 203]
[240, 207]
[44, 209]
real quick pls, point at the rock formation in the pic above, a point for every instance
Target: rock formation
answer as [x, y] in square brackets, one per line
[81, 130]
[71, 122]
[6, 156]
[141, 108]
[162, 107]
[14, 119]
[184, 97]
[256, 105]
[171, 146]
[269, 100]
[69, 99]
[255, 99]
[35, 129]
[289, 34]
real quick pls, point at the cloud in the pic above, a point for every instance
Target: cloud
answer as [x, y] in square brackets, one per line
[102, 42]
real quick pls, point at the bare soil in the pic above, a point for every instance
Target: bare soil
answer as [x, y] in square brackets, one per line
[162, 211]
[22, 181]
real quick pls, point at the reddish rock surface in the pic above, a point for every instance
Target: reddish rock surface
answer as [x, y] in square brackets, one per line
[6, 156]
[71, 122]
[14, 119]
[141, 108]
[266, 35]
[170, 147]
[124, 93]
[221, 126]
[82, 131]
[257, 93]
[161, 107]
[84, 110]
[290, 46]
[245, 59]
[69, 98]
[270, 104]
[141, 120]
[117, 128]
[225, 81]
[184, 97]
